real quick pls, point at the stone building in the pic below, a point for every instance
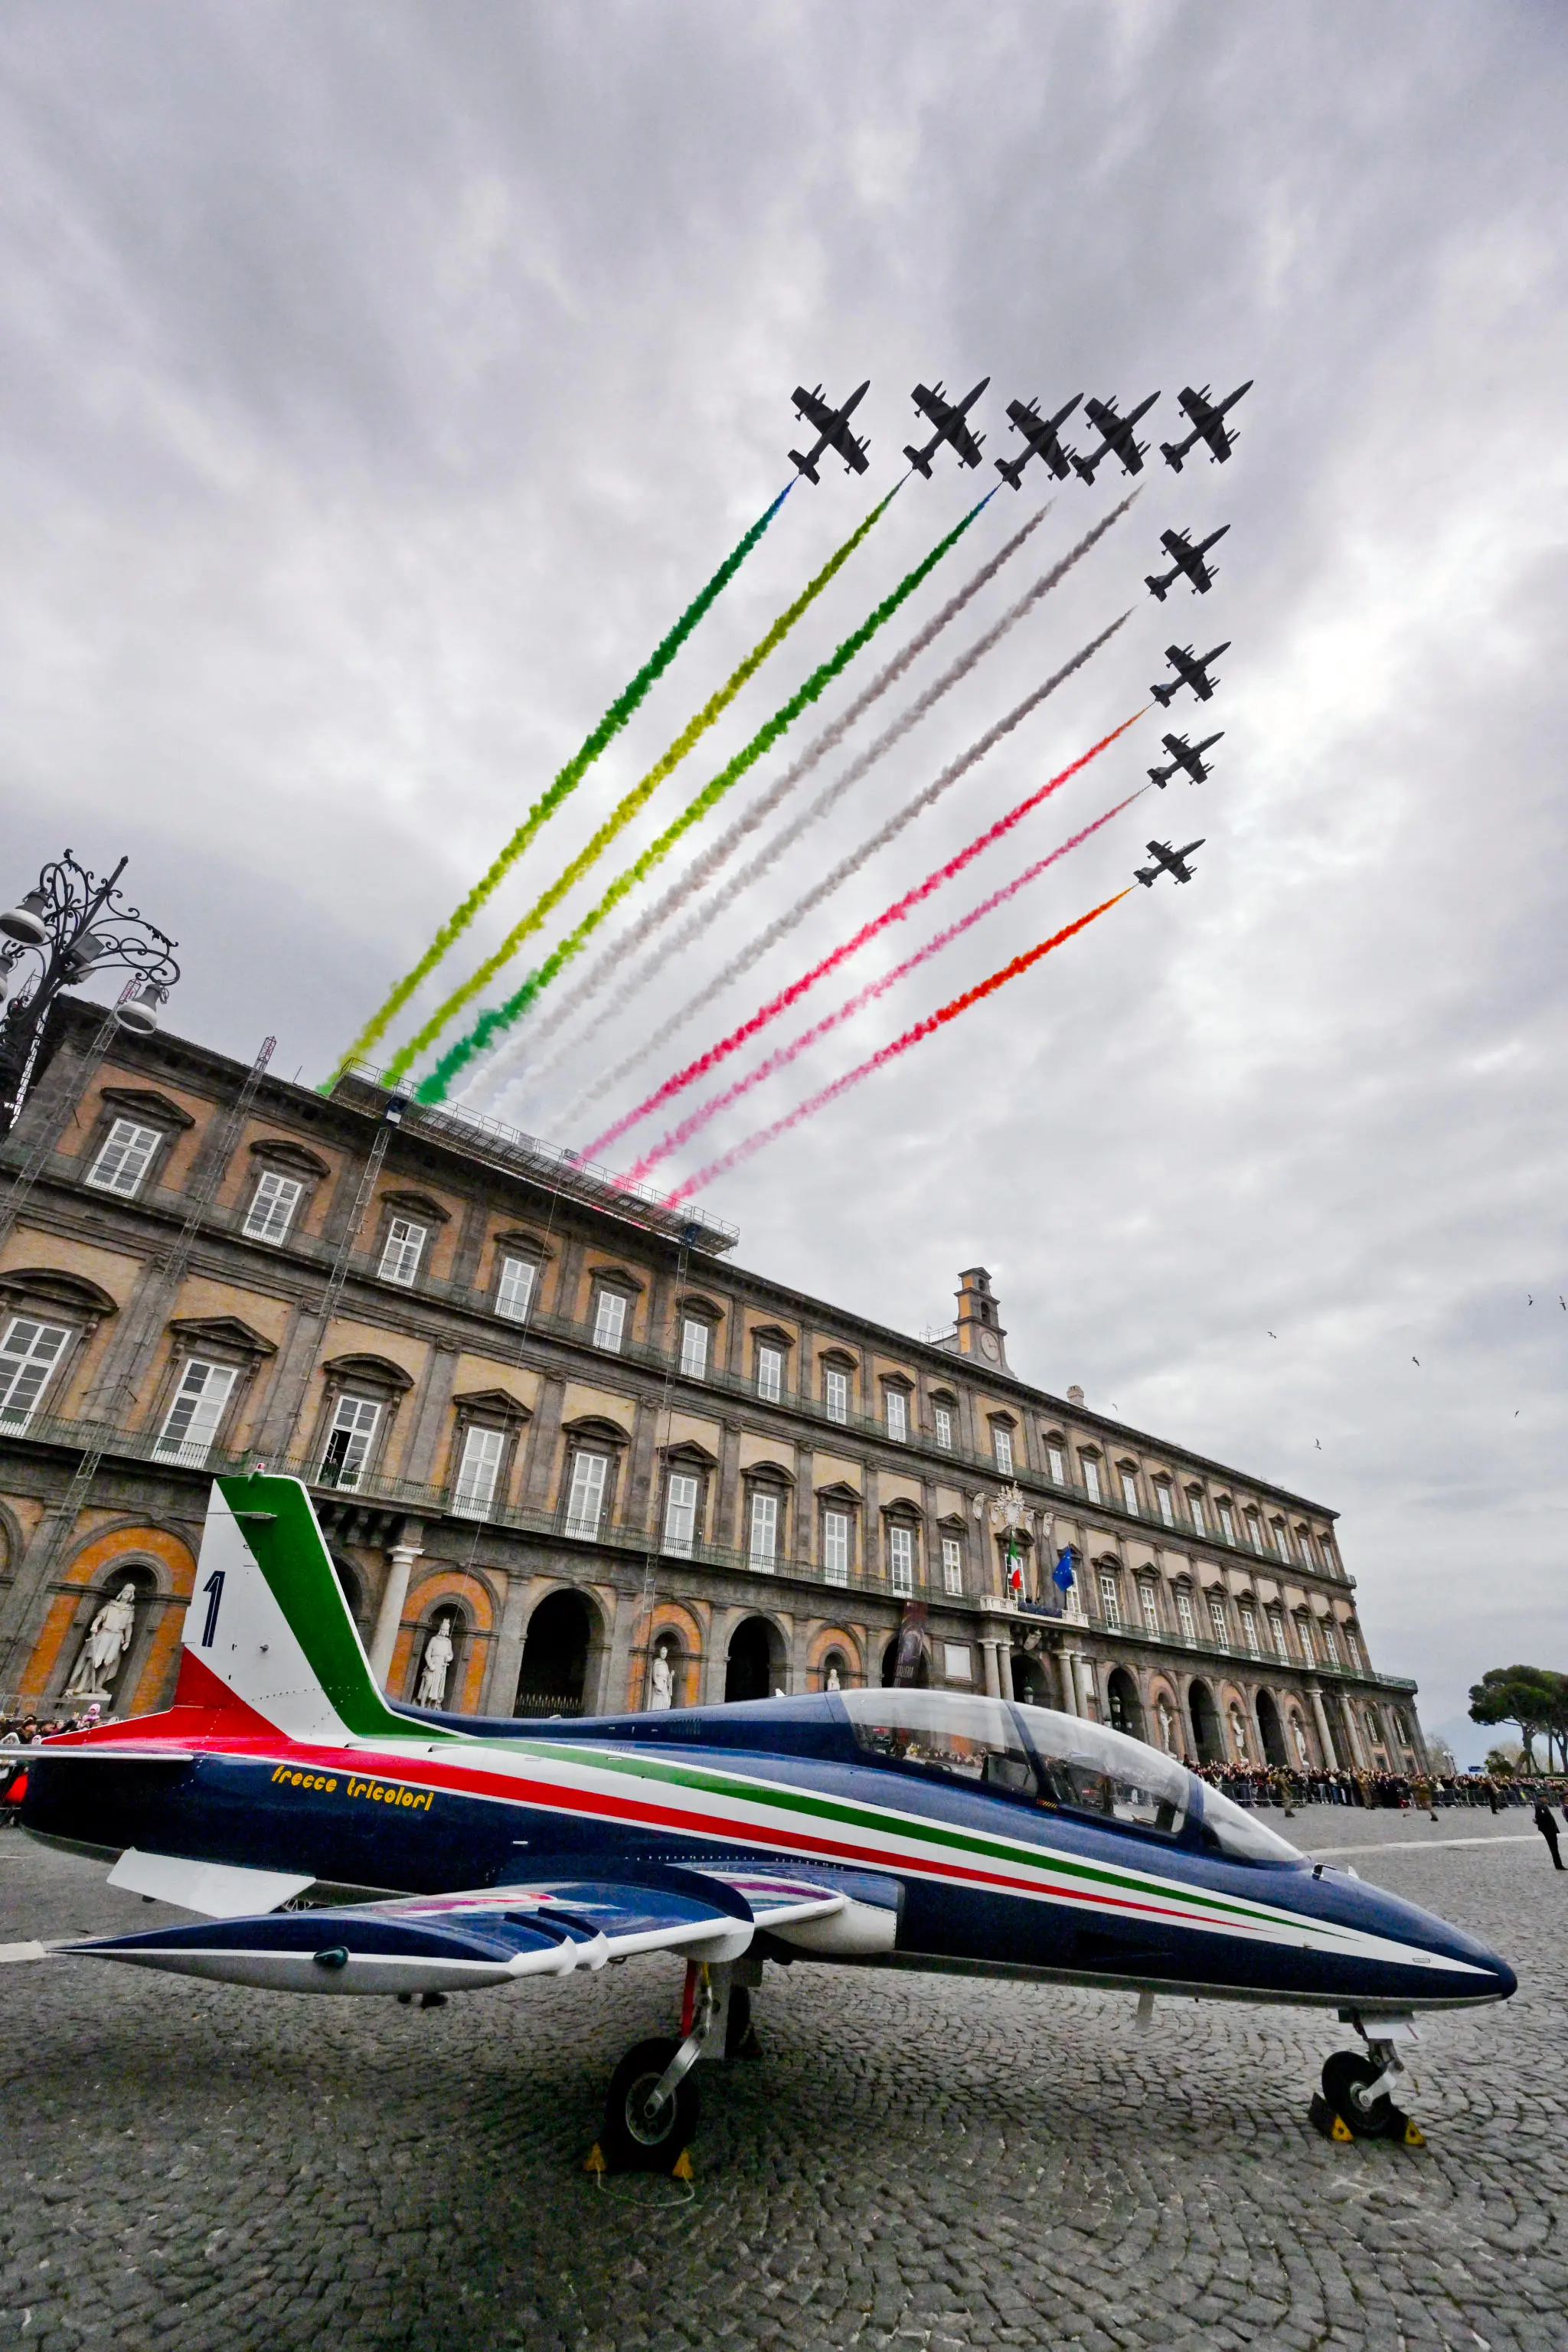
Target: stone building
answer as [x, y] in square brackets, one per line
[556, 1422]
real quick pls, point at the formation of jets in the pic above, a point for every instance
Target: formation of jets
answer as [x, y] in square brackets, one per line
[1041, 436]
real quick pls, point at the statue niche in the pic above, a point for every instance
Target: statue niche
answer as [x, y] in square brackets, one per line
[109, 1637]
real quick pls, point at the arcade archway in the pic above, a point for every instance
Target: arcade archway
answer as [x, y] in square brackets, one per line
[1272, 1732]
[555, 1674]
[755, 1664]
[1126, 1707]
[1206, 1724]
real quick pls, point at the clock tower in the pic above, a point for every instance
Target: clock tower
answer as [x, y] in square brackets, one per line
[980, 1332]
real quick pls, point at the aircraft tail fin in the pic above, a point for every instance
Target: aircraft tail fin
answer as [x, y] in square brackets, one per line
[919, 460]
[267, 1630]
[1156, 587]
[1173, 455]
[809, 470]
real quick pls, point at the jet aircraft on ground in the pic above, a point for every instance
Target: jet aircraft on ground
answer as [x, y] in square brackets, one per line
[947, 417]
[1116, 434]
[1041, 439]
[1208, 425]
[1186, 558]
[894, 1828]
[831, 427]
[1192, 669]
[1187, 755]
[1167, 860]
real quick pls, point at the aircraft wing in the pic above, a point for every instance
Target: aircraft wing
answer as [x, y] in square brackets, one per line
[461, 1942]
[964, 441]
[843, 441]
[932, 404]
[816, 410]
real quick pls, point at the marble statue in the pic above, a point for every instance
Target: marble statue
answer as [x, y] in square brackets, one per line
[108, 1639]
[662, 1680]
[832, 1679]
[439, 1651]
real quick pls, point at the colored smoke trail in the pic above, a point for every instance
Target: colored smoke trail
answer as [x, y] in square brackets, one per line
[500, 1018]
[784, 1055]
[753, 1144]
[770, 1011]
[756, 948]
[612, 961]
[710, 908]
[567, 782]
[627, 807]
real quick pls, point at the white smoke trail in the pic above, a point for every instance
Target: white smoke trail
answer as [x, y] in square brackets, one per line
[611, 962]
[825, 801]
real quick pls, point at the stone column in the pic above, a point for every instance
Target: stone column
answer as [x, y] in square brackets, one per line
[1066, 1675]
[628, 1634]
[389, 1617]
[506, 1649]
[1089, 1691]
[989, 1645]
[1330, 1758]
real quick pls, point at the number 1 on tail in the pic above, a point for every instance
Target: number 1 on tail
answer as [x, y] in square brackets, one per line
[212, 1588]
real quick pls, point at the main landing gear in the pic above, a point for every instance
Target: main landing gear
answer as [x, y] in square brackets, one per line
[652, 2109]
[1356, 2101]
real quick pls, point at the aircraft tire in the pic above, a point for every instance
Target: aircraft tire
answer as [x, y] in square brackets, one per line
[1346, 2072]
[631, 2142]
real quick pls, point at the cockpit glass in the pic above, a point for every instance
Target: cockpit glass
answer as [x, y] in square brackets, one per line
[973, 1740]
[1241, 1834]
[1085, 1769]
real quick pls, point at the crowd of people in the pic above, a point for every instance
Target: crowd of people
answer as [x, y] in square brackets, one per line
[1278, 1785]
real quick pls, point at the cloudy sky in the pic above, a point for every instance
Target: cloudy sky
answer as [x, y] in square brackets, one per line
[380, 382]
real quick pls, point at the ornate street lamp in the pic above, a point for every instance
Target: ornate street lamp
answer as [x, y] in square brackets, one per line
[65, 931]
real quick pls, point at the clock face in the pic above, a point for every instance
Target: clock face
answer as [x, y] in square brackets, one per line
[990, 1347]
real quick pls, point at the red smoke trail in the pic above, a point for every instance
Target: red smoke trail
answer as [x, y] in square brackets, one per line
[783, 1055]
[895, 913]
[927, 1028]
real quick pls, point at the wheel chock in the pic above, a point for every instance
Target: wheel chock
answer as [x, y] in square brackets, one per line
[681, 2169]
[595, 2160]
[1323, 2119]
[1412, 2136]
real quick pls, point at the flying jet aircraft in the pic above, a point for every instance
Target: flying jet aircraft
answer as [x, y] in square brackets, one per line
[897, 1828]
[1116, 434]
[831, 427]
[1208, 425]
[1167, 860]
[1191, 670]
[1041, 439]
[948, 418]
[1187, 755]
[1189, 560]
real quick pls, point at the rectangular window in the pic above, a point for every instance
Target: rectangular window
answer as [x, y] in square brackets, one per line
[1057, 1465]
[1195, 1504]
[1110, 1608]
[942, 1416]
[836, 1394]
[190, 1422]
[1250, 1630]
[1330, 1647]
[1090, 1476]
[28, 1354]
[401, 1252]
[953, 1567]
[1255, 1531]
[1227, 1524]
[770, 1374]
[1128, 1491]
[1304, 1636]
[1216, 1619]
[958, 1662]
[1167, 1507]
[585, 1499]
[1282, 1541]
[897, 1415]
[1185, 1617]
[680, 1508]
[272, 1207]
[482, 1451]
[1276, 1635]
[836, 1547]
[1150, 1608]
[901, 1558]
[609, 1321]
[1002, 1446]
[349, 1441]
[694, 1350]
[514, 1292]
[764, 1550]
[125, 1158]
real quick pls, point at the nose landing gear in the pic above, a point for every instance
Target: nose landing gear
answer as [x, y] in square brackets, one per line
[1356, 2100]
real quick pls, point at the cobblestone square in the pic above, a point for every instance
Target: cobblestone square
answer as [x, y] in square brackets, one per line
[918, 2161]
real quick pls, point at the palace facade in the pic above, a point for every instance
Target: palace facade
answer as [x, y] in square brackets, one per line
[555, 1424]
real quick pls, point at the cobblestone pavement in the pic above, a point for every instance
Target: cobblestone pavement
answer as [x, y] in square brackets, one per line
[916, 2162]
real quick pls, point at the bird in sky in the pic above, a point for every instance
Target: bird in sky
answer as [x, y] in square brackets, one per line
[1415, 1360]
[1318, 1443]
[1274, 1335]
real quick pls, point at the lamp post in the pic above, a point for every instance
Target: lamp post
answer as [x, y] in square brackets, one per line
[70, 927]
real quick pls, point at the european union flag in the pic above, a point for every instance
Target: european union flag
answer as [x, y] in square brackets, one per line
[1061, 1575]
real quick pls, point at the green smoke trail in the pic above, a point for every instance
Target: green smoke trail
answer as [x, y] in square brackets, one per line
[570, 776]
[498, 1018]
[622, 814]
